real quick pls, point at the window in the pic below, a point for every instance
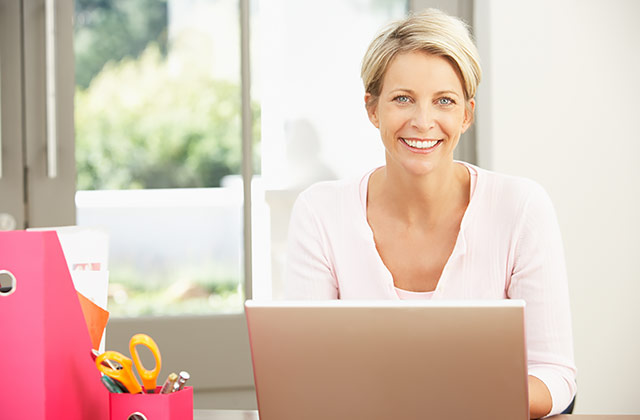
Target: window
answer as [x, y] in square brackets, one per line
[158, 150]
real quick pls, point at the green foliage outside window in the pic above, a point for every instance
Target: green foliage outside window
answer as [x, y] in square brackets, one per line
[150, 116]
[143, 124]
[110, 30]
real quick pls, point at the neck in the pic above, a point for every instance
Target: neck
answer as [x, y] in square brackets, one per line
[420, 199]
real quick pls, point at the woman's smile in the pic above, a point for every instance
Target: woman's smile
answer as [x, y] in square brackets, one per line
[418, 145]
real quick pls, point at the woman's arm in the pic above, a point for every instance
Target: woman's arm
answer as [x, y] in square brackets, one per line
[539, 278]
[308, 272]
[540, 402]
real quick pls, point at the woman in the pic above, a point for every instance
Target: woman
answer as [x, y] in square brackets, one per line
[427, 227]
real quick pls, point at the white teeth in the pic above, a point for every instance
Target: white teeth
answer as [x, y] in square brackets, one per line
[420, 144]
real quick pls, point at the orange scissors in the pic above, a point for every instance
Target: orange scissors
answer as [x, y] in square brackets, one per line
[126, 375]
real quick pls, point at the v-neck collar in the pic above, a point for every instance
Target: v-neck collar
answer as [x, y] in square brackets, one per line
[460, 247]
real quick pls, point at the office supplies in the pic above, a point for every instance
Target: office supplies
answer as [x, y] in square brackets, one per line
[42, 323]
[168, 384]
[96, 319]
[109, 363]
[156, 403]
[126, 375]
[182, 379]
[382, 360]
[111, 384]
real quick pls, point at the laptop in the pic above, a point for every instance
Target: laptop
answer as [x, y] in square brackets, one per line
[348, 360]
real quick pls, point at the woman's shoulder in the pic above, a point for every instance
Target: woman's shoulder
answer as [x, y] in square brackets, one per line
[328, 191]
[332, 192]
[504, 186]
[329, 201]
[510, 197]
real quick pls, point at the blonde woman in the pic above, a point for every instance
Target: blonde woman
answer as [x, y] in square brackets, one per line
[425, 226]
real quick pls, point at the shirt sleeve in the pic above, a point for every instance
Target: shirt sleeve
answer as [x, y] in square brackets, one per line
[539, 278]
[309, 274]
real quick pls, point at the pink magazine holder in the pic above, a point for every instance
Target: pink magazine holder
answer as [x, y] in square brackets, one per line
[45, 349]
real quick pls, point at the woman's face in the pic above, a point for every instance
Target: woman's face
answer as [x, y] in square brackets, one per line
[420, 112]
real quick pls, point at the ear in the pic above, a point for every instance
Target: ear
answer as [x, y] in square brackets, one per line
[469, 110]
[372, 110]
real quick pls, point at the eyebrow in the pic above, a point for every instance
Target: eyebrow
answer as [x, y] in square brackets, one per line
[438, 93]
[398, 90]
[444, 92]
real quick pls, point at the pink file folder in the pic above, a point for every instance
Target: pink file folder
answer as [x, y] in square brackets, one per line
[45, 349]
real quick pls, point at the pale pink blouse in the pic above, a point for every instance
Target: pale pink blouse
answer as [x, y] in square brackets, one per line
[508, 247]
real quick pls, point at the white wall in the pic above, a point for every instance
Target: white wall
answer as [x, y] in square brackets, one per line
[559, 104]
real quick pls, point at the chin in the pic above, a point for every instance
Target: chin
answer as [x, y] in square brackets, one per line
[420, 168]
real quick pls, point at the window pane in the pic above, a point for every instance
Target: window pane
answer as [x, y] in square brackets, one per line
[158, 150]
[314, 124]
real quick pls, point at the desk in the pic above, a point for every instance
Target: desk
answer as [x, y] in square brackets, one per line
[253, 415]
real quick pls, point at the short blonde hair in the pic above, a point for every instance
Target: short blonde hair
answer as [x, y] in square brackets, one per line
[431, 31]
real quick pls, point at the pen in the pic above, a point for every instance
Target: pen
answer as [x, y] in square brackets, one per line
[182, 378]
[168, 384]
[111, 385]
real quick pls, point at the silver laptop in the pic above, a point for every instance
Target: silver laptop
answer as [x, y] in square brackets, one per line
[348, 360]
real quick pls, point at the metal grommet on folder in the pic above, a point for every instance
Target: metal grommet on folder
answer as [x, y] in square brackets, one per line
[7, 283]
[137, 416]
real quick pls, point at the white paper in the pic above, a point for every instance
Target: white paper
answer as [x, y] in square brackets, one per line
[85, 248]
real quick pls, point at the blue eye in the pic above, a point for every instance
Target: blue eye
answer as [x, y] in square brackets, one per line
[402, 99]
[445, 101]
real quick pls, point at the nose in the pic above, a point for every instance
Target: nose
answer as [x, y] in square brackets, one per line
[422, 118]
